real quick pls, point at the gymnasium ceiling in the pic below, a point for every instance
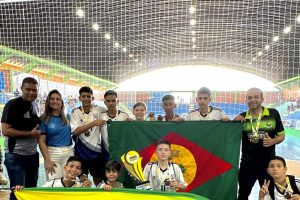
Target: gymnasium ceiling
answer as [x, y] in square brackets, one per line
[152, 34]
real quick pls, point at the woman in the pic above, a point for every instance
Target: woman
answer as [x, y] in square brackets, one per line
[55, 141]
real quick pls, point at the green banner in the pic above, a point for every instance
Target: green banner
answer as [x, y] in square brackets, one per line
[206, 151]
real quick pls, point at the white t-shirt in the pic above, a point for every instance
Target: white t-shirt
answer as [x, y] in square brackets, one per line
[58, 182]
[156, 176]
[120, 116]
[92, 138]
[279, 195]
[214, 113]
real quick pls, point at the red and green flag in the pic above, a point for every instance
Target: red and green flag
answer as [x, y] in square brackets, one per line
[206, 151]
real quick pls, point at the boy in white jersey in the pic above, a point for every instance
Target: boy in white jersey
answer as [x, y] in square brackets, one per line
[282, 186]
[111, 101]
[164, 175]
[206, 112]
[85, 126]
[70, 179]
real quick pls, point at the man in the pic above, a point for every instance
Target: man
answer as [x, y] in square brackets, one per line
[111, 101]
[262, 130]
[20, 127]
[206, 112]
[85, 126]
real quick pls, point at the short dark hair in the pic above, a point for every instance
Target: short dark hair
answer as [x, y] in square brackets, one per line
[112, 165]
[204, 90]
[280, 159]
[110, 92]
[168, 97]
[29, 80]
[85, 89]
[139, 104]
[162, 142]
[74, 158]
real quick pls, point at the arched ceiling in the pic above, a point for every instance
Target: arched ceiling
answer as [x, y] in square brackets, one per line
[156, 34]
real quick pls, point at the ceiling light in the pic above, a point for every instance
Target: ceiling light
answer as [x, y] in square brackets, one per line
[298, 19]
[117, 44]
[254, 59]
[80, 12]
[96, 26]
[193, 32]
[276, 38]
[192, 22]
[259, 53]
[287, 30]
[192, 9]
[193, 39]
[194, 57]
[194, 46]
[249, 63]
[130, 55]
[136, 60]
[267, 47]
[124, 49]
[107, 36]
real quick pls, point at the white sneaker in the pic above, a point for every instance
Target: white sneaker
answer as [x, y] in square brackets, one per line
[3, 180]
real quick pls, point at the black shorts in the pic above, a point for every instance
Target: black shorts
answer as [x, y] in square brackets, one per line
[95, 167]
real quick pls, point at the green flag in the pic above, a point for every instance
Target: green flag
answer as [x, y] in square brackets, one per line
[206, 151]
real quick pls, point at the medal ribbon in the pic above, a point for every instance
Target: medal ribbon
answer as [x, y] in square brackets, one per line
[289, 187]
[255, 130]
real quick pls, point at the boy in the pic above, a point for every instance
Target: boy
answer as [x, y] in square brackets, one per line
[168, 104]
[72, 171]
[164, 175]
[85, 126]
[112, 113]
[112, 172]
[282, 186]
[139, 111]
[206, 112]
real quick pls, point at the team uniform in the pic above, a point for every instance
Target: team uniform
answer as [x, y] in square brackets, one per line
[164, 119]
[156, 176]
[255, 157]
[58, 182]
[293, 185]
[120, 116]
[88, 144]
[214, 113]
[58, 141]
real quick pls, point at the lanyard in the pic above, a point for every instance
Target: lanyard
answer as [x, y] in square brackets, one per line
[85, 116]
[255, 130]
[162, 176]
[289, 187]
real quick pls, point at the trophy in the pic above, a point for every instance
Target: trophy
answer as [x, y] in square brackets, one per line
[133, 163]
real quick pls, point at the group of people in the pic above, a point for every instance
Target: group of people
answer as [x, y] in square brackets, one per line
[54, 133]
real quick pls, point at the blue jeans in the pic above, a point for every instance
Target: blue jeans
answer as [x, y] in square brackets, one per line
[22, 170]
